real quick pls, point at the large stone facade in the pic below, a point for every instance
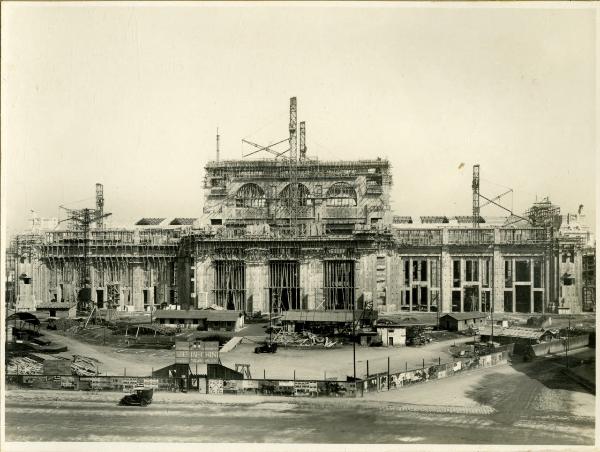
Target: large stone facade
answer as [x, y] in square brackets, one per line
[319, 235]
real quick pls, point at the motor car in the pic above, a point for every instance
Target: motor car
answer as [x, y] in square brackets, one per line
[141, 397]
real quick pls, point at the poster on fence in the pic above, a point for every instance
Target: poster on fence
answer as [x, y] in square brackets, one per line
[250, 384]
[67, 382]
[215, 387]
[151, 383]
[305, 388]
[232, 386]
[129, 384]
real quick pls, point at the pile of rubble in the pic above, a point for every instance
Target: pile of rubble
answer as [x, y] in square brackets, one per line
[84, 366]
[304, 339]
[23, 366]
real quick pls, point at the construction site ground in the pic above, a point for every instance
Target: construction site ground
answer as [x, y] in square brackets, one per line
[311, 363]
[523, 403]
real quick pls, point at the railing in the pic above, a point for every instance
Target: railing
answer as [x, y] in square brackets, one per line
[470, 236]
[418, 236]
[522, 236]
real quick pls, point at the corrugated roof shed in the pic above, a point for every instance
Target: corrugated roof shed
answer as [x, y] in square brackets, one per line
[402, 219]
[338, 316]
[434, 219]
[465, 315]
[522, 333]
[55, 305]
[182, 221]
[210, 315]
[468, 219]
[149, 221]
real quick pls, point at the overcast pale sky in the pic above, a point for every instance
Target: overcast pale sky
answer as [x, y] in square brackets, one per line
[130, 95]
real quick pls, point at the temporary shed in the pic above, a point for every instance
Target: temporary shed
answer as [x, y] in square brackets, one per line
[202, 319]
[461, 321]
[59, 309]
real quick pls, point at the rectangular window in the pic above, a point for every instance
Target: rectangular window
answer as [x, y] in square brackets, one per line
[406, 273]
[456, 301]
[456, 273]
[423, 270]
[471, 299]
[415, 270]
[523, 298]
[230, 284]
[538, 302]
[508, 273]
[424, 298]
[405, 300]
[538, 275]
[485, 273]
[172, 278]
[471, 271]
[523, 271]
[486, 305]
[435, 273]
[435, 298]
[508, 302]
[338, 284]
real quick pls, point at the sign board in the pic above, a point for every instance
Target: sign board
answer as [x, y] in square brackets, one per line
[305, 387]
[250, 384]
[151, 383]
[197, 352]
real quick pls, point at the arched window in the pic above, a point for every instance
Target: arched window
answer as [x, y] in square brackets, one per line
[295, 195]
[250, 195]
[341, 195]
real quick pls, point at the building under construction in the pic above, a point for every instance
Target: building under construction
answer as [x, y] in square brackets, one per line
[295, 233]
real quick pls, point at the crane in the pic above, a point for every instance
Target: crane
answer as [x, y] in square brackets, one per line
[81, 220]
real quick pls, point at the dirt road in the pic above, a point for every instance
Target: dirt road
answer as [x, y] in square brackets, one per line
[526, 404]
[312, 363]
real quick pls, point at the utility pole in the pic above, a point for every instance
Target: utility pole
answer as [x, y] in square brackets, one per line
[492, 337]
[354, 348]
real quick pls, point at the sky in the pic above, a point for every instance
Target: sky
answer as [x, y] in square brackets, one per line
[130, 96]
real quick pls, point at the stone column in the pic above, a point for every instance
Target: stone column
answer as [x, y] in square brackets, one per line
[256, 281]
[137, 295]
[445, 275]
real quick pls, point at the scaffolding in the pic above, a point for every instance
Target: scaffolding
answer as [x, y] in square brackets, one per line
[543, 214]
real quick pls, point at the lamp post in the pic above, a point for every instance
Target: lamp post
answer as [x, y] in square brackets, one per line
[492, 312]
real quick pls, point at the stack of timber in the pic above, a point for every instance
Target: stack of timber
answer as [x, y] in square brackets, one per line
[304, 340]
[23, 366]
[84, 366]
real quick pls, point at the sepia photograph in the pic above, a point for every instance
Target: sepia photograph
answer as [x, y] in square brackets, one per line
[298, 225]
